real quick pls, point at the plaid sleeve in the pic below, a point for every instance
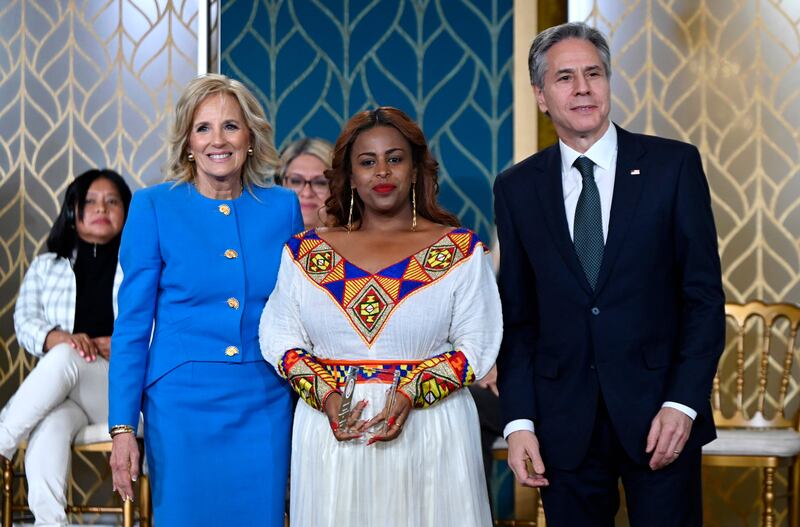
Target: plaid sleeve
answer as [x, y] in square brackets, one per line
[30, 322]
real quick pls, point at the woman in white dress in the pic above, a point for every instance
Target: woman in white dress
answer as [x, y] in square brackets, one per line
[392, 285]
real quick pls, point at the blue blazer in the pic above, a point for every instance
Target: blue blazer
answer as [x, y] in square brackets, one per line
[197, 274]
[652, 330]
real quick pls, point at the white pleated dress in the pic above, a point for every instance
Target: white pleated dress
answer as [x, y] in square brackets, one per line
[441, 299]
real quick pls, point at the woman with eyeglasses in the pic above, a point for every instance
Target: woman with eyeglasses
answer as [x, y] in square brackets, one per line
[65, 315]
[304, 163]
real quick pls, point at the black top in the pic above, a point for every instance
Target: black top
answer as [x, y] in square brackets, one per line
[95, 267]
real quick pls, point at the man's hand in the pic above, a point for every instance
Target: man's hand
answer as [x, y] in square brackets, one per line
[489, 381]
[668, 434]
[523, 448]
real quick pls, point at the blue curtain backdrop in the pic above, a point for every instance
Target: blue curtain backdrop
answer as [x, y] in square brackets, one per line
[447, 63]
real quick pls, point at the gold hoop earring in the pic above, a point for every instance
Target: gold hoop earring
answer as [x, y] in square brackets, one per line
[350, 218]
[413, 207]
[250, 151]
[190, 157]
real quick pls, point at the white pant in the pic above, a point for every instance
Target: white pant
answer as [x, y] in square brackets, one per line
[62, 394]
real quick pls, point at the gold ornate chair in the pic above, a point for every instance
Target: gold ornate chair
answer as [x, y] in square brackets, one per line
[755, 400]
[92, 438]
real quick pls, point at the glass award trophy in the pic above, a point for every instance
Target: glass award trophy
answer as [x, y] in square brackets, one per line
[387, 404]
[347, 395]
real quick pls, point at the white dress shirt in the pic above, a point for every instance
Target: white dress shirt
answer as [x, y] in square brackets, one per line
[603, 154]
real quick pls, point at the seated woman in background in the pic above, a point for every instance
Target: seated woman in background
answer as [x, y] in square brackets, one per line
[304, 163]
[65, 315]
[394, 287]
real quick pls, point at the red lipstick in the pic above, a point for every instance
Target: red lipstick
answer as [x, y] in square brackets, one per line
[383, 188]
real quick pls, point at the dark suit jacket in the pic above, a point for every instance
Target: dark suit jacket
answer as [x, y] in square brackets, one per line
[651, 332]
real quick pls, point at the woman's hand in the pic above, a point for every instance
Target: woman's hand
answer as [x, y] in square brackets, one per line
[353, 427]
[80, 342]
[124, 464]
[103, 346]
[394, 418]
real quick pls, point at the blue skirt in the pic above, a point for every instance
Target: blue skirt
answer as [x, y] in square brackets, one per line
[217, 439]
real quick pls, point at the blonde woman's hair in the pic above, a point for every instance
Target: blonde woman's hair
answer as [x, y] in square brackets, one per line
[257, 168]
[319, 148]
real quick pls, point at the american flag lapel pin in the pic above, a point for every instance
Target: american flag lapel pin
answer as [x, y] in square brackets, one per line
[635, 172]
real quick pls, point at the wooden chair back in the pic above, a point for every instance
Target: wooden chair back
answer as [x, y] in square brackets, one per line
[758, 373]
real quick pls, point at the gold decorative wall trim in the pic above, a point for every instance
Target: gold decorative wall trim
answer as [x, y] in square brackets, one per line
[724, 76]
[525, 108]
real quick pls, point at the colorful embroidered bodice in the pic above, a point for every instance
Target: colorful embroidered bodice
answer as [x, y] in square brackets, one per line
[368, 299]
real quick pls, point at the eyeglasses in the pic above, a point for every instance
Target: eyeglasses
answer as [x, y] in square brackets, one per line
[319, 185]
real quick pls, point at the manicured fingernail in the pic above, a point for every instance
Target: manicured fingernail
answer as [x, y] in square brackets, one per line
[134, 478]
[334, 426]
[391, 421]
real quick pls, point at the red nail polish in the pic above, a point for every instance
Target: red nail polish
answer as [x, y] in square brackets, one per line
[391, 421]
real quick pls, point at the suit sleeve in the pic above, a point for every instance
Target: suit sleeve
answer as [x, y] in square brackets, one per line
[297, 216]
[702, 323]
[140, 258]
[517, 287]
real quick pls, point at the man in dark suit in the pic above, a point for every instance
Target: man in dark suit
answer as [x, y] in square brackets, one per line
[613, 304]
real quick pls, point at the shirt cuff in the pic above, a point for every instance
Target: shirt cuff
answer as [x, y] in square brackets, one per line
[40, 340]
[516, 425]
[680, 407]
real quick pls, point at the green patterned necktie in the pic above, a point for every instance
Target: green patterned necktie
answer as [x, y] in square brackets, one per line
[588, 227]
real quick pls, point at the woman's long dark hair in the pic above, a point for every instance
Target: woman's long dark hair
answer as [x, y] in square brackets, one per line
[427, 187]
[63, 237]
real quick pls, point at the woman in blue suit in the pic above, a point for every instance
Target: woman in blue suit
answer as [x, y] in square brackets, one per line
[200, 256]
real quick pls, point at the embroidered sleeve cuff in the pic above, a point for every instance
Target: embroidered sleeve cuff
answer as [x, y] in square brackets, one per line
[307, 377]
[436, 378]
[680, 407]
[516, 425]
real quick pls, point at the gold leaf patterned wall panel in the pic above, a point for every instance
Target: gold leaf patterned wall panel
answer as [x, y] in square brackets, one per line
[724, 75]
[83, 83]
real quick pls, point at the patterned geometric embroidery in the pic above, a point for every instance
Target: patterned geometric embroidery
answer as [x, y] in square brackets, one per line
[320, 261]
[369, 299]
[439, 258]
[307, 377]
[436, 378]
[370, 308]
[368, 372]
